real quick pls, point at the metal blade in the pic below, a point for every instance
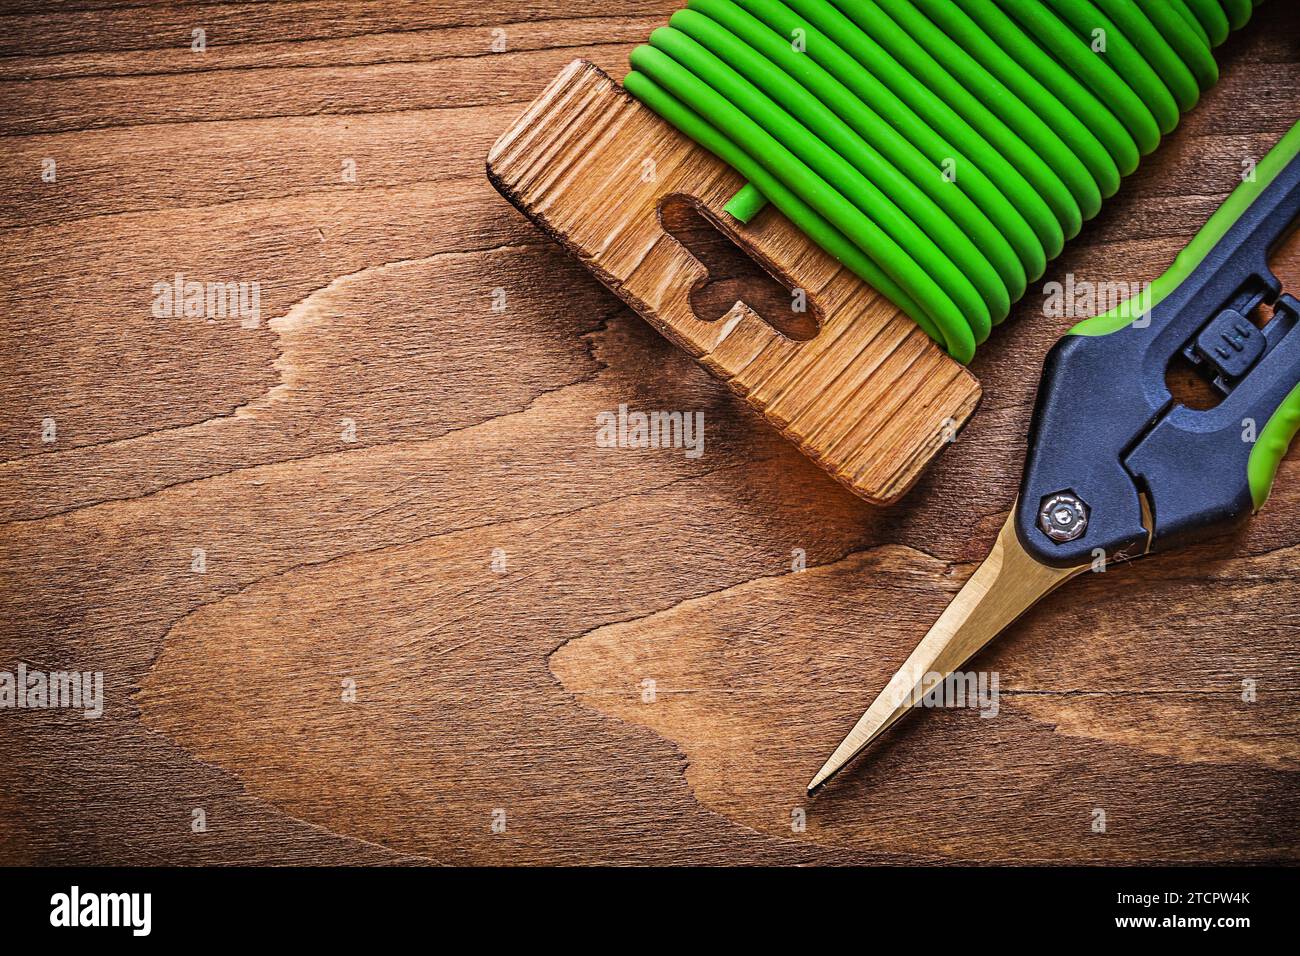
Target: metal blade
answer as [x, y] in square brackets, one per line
[1007, 584]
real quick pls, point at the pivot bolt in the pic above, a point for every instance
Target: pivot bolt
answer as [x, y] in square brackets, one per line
[1063, 516]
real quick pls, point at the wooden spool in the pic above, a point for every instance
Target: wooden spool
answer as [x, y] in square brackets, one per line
[871, 398]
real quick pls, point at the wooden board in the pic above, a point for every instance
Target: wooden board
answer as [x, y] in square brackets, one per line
[372, 559]
[869, 397]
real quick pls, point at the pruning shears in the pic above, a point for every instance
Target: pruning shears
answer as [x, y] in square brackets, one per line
[1116, 467]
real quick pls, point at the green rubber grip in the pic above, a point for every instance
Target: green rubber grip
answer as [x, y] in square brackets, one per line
[1194, 254]
[1271, 446]
[1275, 437]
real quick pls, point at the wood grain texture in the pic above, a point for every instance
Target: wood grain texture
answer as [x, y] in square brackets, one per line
[869, 396]
[372, 560]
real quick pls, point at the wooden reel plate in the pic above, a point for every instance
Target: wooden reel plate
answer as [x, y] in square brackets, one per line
[871, 398]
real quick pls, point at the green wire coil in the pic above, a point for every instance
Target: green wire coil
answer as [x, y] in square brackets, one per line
[942, 150]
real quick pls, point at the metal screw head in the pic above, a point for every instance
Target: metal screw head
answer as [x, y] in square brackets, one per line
[1063, 516]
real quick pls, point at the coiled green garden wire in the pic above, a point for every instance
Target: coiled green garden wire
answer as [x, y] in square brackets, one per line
[943, 150]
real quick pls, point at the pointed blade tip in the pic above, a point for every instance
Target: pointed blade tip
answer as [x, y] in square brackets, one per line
[828, 770]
